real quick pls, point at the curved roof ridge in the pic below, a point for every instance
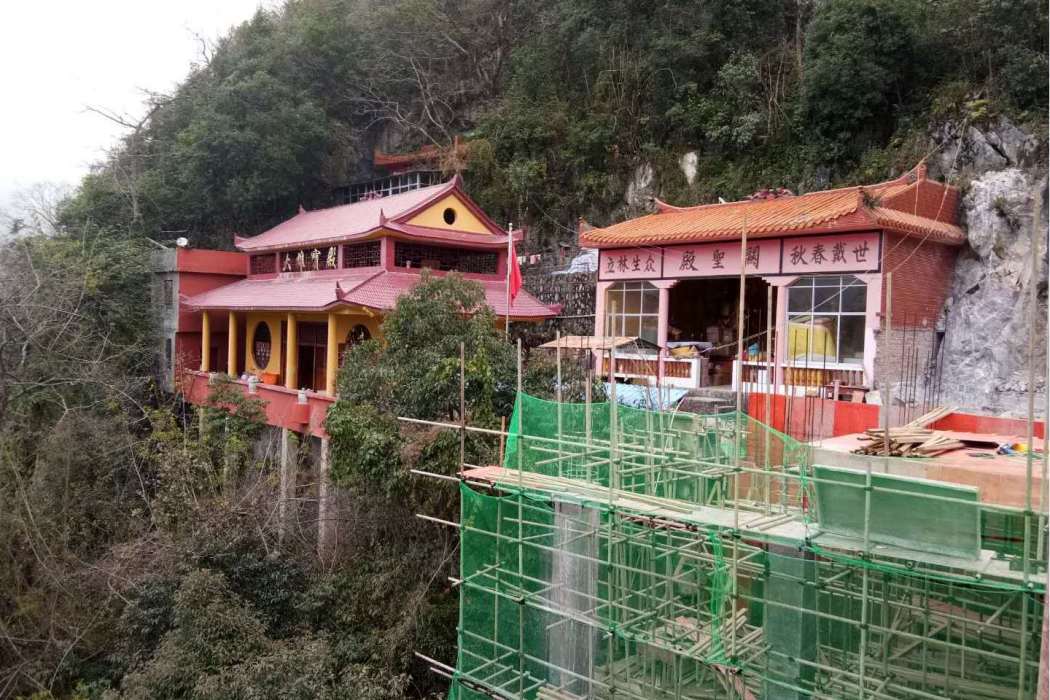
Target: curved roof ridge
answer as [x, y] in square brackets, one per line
[902, 179]
[346, 220]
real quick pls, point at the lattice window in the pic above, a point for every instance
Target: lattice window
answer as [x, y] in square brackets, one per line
[308, 259]
[446, 259]
[263, 264]
[261, 345]
[632, 309]
[361, 254]
[826, 319]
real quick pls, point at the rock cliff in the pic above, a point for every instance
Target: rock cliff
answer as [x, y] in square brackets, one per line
[988, 317]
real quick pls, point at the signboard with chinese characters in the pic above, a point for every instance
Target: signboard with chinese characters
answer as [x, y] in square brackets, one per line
[799, 255]
[849, 252]
[630, 263]
[723, 258]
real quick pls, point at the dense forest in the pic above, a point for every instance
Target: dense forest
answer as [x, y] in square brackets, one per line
[138, 552]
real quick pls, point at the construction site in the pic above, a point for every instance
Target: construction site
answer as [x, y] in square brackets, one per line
[634, 553]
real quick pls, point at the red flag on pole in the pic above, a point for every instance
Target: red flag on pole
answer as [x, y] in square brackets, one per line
[514, 278]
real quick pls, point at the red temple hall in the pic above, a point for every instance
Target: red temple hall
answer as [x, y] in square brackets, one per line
[817, 268]
[301, 293]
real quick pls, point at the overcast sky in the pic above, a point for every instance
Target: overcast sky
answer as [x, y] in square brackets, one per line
[56, 58]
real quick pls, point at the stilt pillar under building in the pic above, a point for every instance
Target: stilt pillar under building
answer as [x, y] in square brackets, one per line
[325, 524]
[286, 489]
[790, 622]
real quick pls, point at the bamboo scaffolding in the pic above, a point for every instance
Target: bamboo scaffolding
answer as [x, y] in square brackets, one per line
[929, 628]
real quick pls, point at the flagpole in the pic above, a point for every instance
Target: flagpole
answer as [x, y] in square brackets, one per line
[510, 252]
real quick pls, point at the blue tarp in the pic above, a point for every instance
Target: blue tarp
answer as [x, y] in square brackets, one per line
[647, 396]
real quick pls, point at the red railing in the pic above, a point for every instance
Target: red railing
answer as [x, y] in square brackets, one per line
[283, 406]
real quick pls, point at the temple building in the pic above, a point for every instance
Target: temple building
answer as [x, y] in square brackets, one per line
[817, 271]
[322, 281]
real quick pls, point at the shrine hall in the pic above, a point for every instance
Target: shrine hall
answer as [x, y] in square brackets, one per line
[817, 273]
[322, 281]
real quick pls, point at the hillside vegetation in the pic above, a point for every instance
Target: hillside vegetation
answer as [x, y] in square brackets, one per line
[563, 99]
[139, 556]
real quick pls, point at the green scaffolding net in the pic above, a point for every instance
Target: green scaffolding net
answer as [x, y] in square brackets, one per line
[621, 553]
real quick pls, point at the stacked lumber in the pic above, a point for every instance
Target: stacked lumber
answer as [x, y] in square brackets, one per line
[911, 440]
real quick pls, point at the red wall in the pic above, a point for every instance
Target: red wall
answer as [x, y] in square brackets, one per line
[930, 199]
[217, 262]
[814, 418]
[971, 423]
[922, 279]
[282, 405]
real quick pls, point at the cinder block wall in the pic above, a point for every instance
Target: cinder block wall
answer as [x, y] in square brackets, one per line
[902, 357]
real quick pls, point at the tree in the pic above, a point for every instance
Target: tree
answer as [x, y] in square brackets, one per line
[857, 65]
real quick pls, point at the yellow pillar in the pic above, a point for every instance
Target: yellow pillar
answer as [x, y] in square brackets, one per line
[231, 346]
[332, 361]
[291, 354]
[205, 342]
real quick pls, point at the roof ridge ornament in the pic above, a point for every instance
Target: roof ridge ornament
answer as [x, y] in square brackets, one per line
[302, 209]
[340, 293]
[382, 217]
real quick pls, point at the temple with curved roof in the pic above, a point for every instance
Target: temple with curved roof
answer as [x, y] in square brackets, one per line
[817, 267]
[322, 280]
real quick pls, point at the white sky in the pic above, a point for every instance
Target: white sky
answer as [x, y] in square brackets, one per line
[58, 57]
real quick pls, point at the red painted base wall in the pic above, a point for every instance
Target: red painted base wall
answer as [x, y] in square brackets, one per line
[810, 419]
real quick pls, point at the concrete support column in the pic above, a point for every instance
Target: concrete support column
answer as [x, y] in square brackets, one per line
[326, 532]
[790, 623]
[662, 322]
[780, 328]
[231, 346]
[663, 310]
[205, 341]
[332, 355]
[599, 307]
[286, 490]
[291, 355]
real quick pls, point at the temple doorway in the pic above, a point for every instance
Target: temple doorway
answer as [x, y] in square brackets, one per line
[703, 315]
[313, 355]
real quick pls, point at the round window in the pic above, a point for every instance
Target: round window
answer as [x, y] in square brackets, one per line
[357, 334]
[450, 216]
[261, 345]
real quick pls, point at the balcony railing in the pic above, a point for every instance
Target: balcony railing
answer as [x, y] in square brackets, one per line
[798, 380]
[679, 372]
[303, 411]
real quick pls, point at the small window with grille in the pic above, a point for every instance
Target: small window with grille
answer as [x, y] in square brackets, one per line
[169, 292]
[361, 254]
[446, 259]
[261, 345]
[263, 264]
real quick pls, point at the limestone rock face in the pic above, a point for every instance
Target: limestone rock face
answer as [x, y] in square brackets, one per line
[987, 319]
[641, 189]
[689, 163]
[967, 152]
